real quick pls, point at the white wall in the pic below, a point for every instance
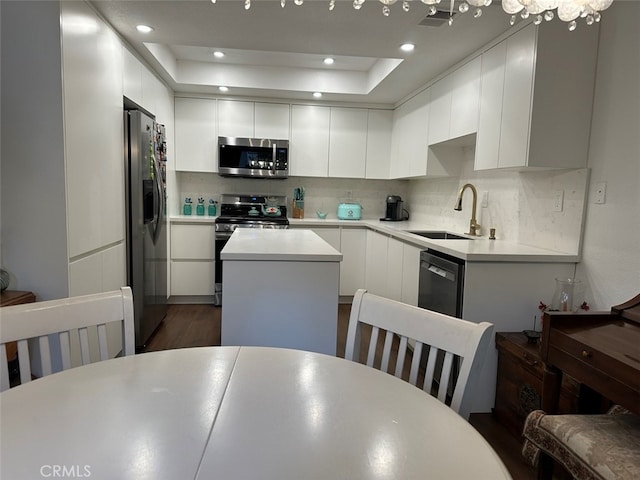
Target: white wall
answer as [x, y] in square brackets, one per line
[611, 254]
[34, 226]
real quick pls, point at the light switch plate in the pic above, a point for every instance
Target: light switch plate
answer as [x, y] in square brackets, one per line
[485, 199]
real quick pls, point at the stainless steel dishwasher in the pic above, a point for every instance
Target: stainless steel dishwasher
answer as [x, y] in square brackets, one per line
[441, 283]
[440, 288]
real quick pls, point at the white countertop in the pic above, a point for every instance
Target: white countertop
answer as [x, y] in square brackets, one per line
[480, 249]
[278, 245]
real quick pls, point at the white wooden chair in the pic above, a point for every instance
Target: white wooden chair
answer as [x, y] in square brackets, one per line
[64, 318]
[452, 337]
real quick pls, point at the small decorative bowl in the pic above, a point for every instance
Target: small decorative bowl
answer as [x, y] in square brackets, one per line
[321, 214]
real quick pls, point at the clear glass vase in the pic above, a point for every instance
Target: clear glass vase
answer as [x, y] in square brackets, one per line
[568, 296]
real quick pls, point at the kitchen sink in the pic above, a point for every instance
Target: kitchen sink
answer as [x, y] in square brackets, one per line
[438, 235]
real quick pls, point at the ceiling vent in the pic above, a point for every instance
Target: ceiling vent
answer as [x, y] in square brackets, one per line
[441, 17]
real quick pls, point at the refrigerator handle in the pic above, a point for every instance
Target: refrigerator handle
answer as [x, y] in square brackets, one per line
[157, 214]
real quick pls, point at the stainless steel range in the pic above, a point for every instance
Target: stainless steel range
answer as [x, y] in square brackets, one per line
[245, 211]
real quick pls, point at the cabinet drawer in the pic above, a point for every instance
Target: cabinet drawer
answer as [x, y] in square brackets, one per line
[192, 242]
[192, 278]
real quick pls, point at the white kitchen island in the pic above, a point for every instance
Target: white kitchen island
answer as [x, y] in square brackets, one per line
[280, 289]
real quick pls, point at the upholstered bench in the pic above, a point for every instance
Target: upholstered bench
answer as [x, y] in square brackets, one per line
[589, 447]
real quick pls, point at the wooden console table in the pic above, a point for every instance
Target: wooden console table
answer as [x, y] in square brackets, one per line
[15, 297]
[600, 350]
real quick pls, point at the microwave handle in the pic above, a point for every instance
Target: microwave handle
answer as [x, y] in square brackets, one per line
[274, 149]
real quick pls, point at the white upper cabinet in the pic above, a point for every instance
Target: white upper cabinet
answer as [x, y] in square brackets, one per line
[465, 99]
[454, 103]
[545, 116]
[235, 119]
[409, 137]
[347, 142]
[253, 120]
[492, 87]
[309, 148]
[440, 111]
[379, 126]
[131, 76]
[196, 138]
[272, 120]
[516, 105]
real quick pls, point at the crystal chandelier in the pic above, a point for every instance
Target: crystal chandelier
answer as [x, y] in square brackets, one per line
[566, 10]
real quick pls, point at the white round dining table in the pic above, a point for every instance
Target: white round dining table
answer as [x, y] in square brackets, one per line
[235, 413]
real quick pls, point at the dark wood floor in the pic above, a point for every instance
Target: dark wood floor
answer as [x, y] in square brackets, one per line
[199, 325]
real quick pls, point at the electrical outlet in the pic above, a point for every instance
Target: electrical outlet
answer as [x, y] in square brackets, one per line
[485, 199]
[558, 200]
[600, 192]
[349, 194]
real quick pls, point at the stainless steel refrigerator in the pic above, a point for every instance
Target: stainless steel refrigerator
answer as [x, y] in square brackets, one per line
[145, 167]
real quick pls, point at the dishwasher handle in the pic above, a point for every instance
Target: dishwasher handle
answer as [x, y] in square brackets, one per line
[451, 276]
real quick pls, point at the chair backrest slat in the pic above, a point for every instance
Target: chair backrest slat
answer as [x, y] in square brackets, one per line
[455, 338]
[4, 368]
[85, 354]
[445, 376]
[45, 354]
[402, 353]
[65, 349]
[430, 369]
[23, 360]
[386, 351]
[102, 342]
[415, 363]
[373, 342]
[60, 317]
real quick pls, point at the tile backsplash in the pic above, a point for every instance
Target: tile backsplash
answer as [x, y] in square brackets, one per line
[520, 205]
[320, 193]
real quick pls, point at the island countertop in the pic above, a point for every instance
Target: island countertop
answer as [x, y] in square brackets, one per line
[278, 245]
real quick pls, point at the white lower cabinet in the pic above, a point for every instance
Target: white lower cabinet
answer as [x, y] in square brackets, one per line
[392, 268]
[192, 259]
[393, 287]
[410, 273]
[351, 242]
[192, 278]
[376, 263]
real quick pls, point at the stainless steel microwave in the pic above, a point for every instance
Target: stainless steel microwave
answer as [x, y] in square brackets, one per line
[253, 157]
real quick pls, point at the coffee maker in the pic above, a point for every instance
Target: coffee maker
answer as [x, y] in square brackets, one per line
[395, 212]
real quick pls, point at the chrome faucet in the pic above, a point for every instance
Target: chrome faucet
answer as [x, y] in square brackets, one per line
[474, 226]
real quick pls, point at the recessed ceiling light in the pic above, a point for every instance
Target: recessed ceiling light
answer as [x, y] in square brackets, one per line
[223, 88]
[407, 47]
[328, 61]
[144, 28]
[218, 54]
[317, 94]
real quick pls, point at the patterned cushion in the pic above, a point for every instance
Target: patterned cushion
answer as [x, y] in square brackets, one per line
[588, 446]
